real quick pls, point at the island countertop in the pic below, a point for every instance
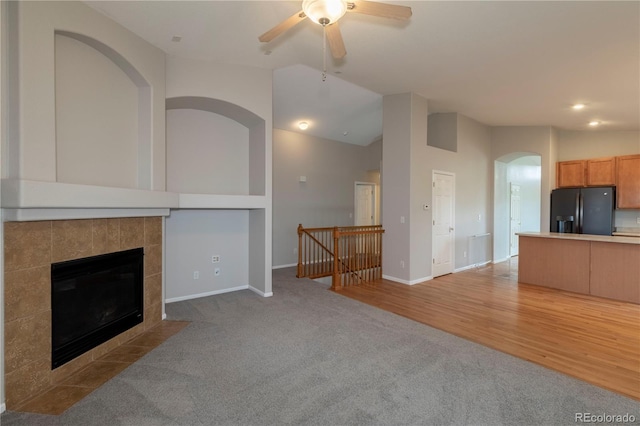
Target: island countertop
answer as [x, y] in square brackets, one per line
[583, 237]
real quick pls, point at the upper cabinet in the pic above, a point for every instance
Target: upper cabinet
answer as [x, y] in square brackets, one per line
[601, 171]
[593, 172]
[623, 172]
[570, 173]
[628, 181]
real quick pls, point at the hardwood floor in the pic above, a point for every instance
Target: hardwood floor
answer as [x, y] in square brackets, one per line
[593, 339]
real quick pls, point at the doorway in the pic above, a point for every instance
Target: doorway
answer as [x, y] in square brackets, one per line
[365, 204]
[443, 201]
[517, 201]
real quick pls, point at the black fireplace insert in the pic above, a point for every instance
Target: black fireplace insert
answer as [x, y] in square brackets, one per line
[93, 300]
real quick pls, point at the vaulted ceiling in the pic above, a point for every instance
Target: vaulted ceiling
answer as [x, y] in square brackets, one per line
[503, 63]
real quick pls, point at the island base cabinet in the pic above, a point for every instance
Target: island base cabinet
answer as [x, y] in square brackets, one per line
[615, 271]
[561, 264]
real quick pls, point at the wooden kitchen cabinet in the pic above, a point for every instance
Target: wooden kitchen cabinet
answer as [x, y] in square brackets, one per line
[628, 181]
[571, 173]
[601, 171]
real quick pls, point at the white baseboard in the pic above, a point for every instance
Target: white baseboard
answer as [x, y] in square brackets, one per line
[501, 260]
[475, 265]
[260, 292]
[284, 266]
[412, 282]
[209, 293]
[3, 408]
[464, 268]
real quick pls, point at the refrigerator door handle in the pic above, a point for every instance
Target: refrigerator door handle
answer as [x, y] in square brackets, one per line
[576, 224]
[581, 208]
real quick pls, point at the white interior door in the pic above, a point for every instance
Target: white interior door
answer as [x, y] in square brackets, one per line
[443, 223]
[365, 204]
[515, 221]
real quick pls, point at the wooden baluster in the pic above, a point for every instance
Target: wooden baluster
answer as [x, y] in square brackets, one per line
[368, 251]
[335, 285]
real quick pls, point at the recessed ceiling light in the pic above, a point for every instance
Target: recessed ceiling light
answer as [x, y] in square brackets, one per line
[594, 123]
[176, 39]
[578, 106]
[345, 133]
[303, 125]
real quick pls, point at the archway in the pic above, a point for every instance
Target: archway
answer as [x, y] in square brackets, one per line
[517, 200]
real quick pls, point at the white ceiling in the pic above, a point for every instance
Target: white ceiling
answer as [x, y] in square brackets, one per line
[503, 63]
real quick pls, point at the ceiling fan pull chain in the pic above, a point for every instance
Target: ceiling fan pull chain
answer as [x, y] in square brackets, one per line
[324, 53]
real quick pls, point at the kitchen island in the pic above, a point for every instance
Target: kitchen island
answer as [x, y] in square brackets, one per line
[599, 265]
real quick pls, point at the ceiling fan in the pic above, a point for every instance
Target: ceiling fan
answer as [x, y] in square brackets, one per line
[327, 13]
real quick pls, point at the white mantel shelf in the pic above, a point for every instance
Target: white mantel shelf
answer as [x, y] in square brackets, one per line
[28, 194]
[36, 200]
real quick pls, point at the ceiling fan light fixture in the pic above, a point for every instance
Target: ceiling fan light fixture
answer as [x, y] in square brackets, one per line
[324, 12]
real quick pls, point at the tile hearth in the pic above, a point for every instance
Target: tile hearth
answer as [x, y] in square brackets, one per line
[58, 399]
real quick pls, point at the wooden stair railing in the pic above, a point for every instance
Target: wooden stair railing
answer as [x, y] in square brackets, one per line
[350, 255]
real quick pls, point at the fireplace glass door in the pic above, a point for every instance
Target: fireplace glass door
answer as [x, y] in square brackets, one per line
[93, 300]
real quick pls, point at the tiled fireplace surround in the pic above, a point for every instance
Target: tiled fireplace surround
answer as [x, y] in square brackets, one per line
[30, 248]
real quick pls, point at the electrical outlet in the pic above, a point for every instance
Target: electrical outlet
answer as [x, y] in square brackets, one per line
[402, 264]
[196, 275]
[216, 272]
[401, 219]
[638, 220]
[464, 254]
[295, 250]
[215, 258]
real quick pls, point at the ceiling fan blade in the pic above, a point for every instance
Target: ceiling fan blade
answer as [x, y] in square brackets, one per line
[336, 44]
[384, 10]
[283, 26]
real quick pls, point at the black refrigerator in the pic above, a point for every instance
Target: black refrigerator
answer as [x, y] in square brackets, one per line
[583, 210]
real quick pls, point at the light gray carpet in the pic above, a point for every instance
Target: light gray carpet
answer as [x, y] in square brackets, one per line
[310, 356]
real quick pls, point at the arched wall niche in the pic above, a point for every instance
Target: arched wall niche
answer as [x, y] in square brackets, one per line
[524, 169]
[103, 115]
[227, 135]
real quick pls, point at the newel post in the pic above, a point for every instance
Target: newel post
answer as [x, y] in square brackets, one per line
[335, 281]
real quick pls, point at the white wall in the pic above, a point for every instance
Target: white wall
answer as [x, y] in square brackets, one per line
[405, 118]
[193, 236]
[580, 145]
[35, 27]
[473, 168]
[326, 198]
[250, 89]
[396, 182]
[207, 153]
[511, 142]
[500, 211]
[96, 118]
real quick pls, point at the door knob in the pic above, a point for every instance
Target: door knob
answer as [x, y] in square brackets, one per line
[450, 229]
